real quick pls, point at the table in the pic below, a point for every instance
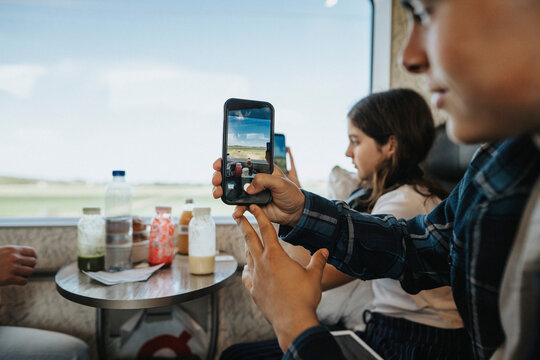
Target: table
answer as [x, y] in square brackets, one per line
[165, 287]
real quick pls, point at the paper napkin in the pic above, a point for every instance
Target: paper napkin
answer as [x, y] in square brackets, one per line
[112, 278]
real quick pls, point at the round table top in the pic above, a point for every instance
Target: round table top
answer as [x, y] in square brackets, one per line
[165, 287]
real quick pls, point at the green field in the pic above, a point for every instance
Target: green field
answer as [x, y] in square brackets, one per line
[244, 152]
[36, 198]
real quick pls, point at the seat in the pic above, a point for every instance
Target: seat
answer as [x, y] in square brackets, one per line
[448, 161]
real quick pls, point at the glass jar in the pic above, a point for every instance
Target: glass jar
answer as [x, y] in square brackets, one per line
[91, 240]
[202, 242]
[161, 244]
[183, 228]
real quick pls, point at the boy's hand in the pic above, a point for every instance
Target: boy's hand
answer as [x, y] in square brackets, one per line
[287, 203]
[286, 292]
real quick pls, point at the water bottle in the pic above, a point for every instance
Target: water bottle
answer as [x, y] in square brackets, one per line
[118, 227]
[91, 240]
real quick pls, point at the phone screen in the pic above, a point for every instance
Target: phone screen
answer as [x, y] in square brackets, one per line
[247, 149]
[280, 152]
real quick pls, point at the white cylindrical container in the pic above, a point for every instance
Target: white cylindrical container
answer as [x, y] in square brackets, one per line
[202, 242]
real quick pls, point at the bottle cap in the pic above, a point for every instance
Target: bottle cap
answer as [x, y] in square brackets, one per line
[91, 210]
[189, 201]
[201, 211]
[163, 208]
[119, 173]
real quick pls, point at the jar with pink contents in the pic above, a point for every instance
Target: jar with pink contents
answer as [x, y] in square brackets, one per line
[161, 244]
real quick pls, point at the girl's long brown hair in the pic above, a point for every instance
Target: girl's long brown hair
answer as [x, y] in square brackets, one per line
[404, 114]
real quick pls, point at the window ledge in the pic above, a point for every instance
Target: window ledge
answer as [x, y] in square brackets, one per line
[26, 222]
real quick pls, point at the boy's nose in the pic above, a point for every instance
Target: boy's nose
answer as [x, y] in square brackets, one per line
[413, 56]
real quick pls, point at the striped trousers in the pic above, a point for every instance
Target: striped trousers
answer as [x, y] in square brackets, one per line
[392, 338]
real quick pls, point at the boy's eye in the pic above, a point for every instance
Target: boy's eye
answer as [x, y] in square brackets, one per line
[421, 17]
[420, 12]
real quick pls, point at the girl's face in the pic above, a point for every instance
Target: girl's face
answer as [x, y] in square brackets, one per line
[366, 153]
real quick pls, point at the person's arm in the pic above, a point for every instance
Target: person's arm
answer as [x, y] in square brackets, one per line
[315, 343]
[332, 277]
[364, 246]
[16, 264]
[378, 246]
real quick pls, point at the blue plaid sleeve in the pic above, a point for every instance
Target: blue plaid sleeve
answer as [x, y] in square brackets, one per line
[366, 246]
[314, 343]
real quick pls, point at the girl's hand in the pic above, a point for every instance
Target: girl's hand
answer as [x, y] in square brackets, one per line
[292, 175]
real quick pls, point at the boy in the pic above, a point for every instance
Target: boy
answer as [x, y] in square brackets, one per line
[481, 62]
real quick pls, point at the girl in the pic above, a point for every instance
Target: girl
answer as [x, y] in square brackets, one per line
[390, 134]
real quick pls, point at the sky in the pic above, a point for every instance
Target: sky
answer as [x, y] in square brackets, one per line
[91, 86]
[248, 131]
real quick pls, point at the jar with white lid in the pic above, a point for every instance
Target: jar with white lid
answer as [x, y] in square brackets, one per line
[202, 242]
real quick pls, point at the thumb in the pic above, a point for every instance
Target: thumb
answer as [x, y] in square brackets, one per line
[277, 171]
[317, 263]
[264, 181]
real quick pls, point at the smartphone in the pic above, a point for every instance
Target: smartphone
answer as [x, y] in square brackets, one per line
[248, 149]
[280, 152]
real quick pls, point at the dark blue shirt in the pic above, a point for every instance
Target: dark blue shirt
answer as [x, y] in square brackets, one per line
[464, 242]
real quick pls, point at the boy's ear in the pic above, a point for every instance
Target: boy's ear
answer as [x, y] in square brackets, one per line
[390, 147]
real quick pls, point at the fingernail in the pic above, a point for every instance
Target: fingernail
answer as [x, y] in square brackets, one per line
[325, 254]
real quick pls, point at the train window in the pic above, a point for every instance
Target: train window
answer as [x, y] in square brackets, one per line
[87, 87]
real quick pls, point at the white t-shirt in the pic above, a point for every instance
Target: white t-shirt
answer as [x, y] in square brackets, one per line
[434, 307]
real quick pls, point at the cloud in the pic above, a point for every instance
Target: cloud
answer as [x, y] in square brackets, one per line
[140, 86]
[330, 3]
[19, 80]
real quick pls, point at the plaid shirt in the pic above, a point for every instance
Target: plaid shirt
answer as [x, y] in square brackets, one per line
[464, 242]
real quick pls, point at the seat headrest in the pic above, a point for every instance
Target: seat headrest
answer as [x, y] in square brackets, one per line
[448, 161]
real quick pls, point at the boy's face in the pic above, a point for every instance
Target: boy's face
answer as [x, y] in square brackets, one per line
[482, 61]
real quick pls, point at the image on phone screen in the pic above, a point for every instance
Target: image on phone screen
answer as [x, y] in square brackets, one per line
[280, 152]
[249, 149]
